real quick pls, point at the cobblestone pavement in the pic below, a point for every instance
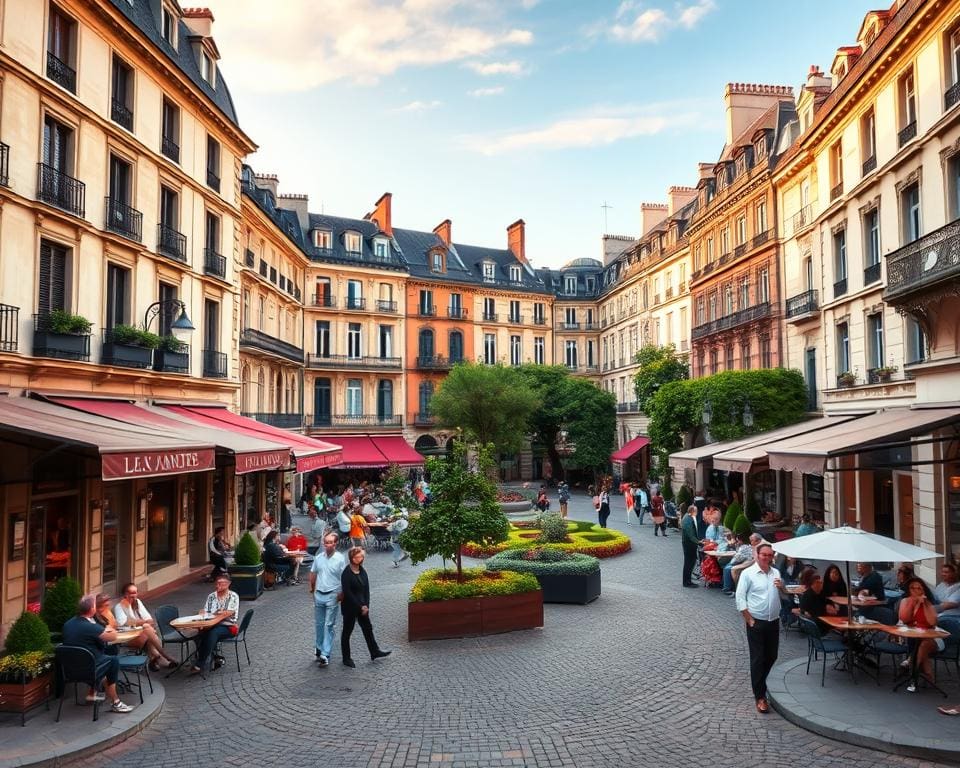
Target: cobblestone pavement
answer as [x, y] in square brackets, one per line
[649, 675]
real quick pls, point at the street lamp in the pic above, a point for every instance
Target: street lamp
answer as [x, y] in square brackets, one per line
[181, 327]
[747, 416]
[707, 413]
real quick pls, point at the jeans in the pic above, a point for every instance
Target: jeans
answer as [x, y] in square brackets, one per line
[207, 641]
[728, 584]
[604, 514]
[325, 612]
[641, 510]
[689, 560]
[398, 553]
[763, 640]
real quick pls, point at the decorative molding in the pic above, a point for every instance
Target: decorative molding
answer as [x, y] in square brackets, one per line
[915, 176]
[871, 204]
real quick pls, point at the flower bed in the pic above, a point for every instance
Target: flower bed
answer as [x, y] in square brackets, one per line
[585, 538]
[565, 577]
[438, 584]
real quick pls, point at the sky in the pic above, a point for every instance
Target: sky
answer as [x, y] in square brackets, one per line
[487, 111]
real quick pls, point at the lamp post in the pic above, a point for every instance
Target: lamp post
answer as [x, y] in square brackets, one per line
[181, 327]
[706, 416]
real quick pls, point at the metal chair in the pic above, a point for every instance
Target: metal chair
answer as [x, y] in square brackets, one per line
[164, 615]
[76, 665]
[240, 637]
[951, 649]
[135, 664]
[817, 644]
[879, 643]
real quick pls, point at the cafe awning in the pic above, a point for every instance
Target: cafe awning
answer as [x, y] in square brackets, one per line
[126, 451]
[251, 454]
[688, 459]
[753, 456]
[397, 451]
[630, 449]
[310, 454]
[812, 452]
[359, 452]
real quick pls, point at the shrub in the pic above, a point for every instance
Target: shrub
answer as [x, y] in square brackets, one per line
[553, 528]
[543, 562]
[583, 537]
[440, 584]
[61, 321]
[742, 525]
[667, 489]
[730, 518]
[60, 603]
[28, 634]
[247, 551]
[684, 498]
[23, 667]
[171, 344]
[753, 510]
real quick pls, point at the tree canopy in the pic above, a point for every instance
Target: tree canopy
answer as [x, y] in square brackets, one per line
[658, 366]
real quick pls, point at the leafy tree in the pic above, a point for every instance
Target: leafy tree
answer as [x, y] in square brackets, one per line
[395, 488]
[550, 383]
[490, 403]
[463, 508]
[591, 418]
[658, 366]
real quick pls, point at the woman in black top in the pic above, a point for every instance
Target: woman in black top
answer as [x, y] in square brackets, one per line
[835, 586]
[355, 607]
[813, 601]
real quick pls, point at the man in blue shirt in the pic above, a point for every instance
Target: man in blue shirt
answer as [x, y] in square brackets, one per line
[325, 587]
[806, 527]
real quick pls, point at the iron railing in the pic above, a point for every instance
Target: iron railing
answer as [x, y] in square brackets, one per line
[170, 148]
[363, 420]
[253, 338]
[171, 243]
[9, 328]
[323, 300]
[760, 238]
[927, 261]
[840, 288]
[490, 317]
[907, 133]
[870, 164]
[214, 364]
[61, 73]
[568, 326]
[802, 218]
[836, 191]
[354, 302]
[123, 219]
[214, 263]
[4, 165]
[871, 274]
[951, 96]
[803, 304]
[456, 313]
[346, 361]
[281, 420]
[213, 181]
[121, 114]
[436, 362]
[61, 190]
[515, 319]
[742, 317]
[424, 419]
[539, 320]
[631, 407]
[386, 306]
[426, 310]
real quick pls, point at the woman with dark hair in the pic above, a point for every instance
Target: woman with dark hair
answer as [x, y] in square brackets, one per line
[813, 601]
[917, 610]
[276, 559]
[904, 574]
[834, 585]
[355, 607]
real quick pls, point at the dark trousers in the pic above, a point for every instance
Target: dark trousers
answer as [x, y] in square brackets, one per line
[660, 528]
[763, 639]
[604, 514]
[208, 640]
[365, 626]
[689, 558]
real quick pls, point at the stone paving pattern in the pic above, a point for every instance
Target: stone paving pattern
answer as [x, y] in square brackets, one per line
[648, 675]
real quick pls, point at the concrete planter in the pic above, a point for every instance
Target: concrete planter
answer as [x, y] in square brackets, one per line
[469, 617]
[247, 580]
[570, 588]
[512, 507]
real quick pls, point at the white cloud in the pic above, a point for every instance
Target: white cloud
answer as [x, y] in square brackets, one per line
[299, 45]
[598, 127]
[418, 106]
[478, 93]
[491, 68]
[634, 23]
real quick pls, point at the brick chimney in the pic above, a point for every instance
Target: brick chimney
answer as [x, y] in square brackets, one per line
[516, 240]
[381, 215]
[299, 204]
[199, 21]
[745, 102]
[444, 230]
[677, 197]
[651, 214]
[267, 181]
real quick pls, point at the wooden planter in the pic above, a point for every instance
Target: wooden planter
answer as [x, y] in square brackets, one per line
[570, 588]
[22, 697]
[472, 616]
[247, 580]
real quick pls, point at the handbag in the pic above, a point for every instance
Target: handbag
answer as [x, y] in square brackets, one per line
[234, 630]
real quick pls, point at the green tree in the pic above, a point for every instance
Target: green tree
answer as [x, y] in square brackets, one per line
[658, 366]
[550, 383]
[395, 488]
[490, 403]
[463, 508]
[591, 418]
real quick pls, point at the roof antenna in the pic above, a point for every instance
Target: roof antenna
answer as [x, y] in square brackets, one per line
[605, 208]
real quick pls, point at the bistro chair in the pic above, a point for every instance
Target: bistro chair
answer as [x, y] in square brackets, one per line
[76, 665]
[817, 644]
[240, 637]
[164, 615]
[951, 649]
[135, 664]
[878, 643]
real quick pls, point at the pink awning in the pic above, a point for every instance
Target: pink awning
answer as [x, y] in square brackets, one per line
[630, 448]
[397, 450]
[359, 452]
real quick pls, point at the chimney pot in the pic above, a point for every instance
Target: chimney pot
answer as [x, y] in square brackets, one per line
[444, 230]
[382, 214]
[516, 240]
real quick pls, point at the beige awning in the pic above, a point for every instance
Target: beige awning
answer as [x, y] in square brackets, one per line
[810, 453]
[689, 459]
[753, 457]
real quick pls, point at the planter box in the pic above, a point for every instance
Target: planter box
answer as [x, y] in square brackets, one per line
[508, 507]
[65, 346]
[171, 362]
[472, 616]
[247, 580]
[22, 697]
[126, 355]
[570, 588]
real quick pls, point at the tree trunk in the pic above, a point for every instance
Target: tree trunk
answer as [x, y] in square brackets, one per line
[555, 463]
[459, 559]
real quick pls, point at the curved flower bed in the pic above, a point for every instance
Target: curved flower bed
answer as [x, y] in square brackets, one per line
[439, 584]
[585, 538]
[543, 561]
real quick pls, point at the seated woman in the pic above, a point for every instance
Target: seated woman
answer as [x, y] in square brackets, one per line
[790, 568]
[217, 552]
[276, 559]
[813, 601]
[835, 586]
[130, 611]
[917, 610]
[714, 531]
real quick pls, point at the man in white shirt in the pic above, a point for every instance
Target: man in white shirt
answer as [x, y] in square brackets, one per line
[758, 600]
[947, 591]
[325, 587]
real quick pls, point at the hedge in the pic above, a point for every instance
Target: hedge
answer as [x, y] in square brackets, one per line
[742, 525]
[572, 563]
[439, 584]
[585, 538]
[730, 518]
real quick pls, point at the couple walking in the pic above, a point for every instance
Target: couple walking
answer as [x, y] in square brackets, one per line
[335, 579]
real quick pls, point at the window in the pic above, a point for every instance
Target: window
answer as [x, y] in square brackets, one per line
[697, 258]
[538, 314]
[669, 324]
[207, 71]
[489, 270]
[843, 348]
[761, 217]
[425, 305]
[590, 283]
[763, 286]
[489, 348]
[760, 148]
[61, 47]
[745, 355]
[709, 250]
[744, 289]
[352, 242]
[868, 141]
[437, 261]
[170, 130]
[57, 150]
[354, 294]
[713, 307]
[514, 311]
[910, 212]
[52, 287]
[725, 241]
[381, 249]
[121, 93]
[425, 348]
[953, 51]
[245, 312]
[728, 300]
[323, 297]
[211, 327]
[120, 187]
[168, 25]
[683, 276]
[261, 313]
[741, 230]
[538, 351]
[765, 358]
[353, 341]
[322, 239]
[836, 169]
[169, 208]
[871, 238]
[456, 347]
[570, 317]
[808, 273]
[570, 285]
[514, 273]
[213, 163]
[354, 397]
[953, 186]
[840, 255]
[167, 295]
[728, 355]
[916, 341]
[908, 99]
[456, 305]
[591, 356]
[385, 341]
[425, 393]
[740, 167]
[323, 338]
[489, 309]
[714, 361]
[570, 354]
[212, 233]
[874, 341]
[701, 313]
[118, 294]
[515, 350]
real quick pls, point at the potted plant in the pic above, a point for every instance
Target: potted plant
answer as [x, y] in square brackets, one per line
[885, 372]
[129, 346]
[246, 572]
[26, 666]
[171, 355]
[61, 334]
[847, 379]
[60, 604]
[565, 577]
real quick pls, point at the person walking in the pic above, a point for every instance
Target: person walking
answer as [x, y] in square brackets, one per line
[355, 606]
[658, 514]
[758, 600]
[325, 587]
[690, 542]
[564, 496]
[398, 526]
[641, 504]
[604, 511]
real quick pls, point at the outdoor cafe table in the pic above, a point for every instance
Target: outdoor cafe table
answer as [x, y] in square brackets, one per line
[844, 625]
[795, 589]
[917, 634]
[856, 602]
[201, 623]
[126, 635]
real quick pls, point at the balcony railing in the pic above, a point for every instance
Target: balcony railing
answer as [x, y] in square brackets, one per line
[214, 263]
[760, 238]
[840, 288]
[123, 219]
[870, 164]
[323, 300]
[359, 420]
[63, 346]
[213, 181]
[490, 317]
[456, 313]
[802, 218]
[436, 362]
[346, 361]
[424, 419]
[171, 243]
[9, 328]
[591, 368]
[386, 306]
[568, 326]
[515, 319]
[667, 293]
[57, 188]
[631, 407]
[214, 364]
[924, 263]
[121, 114]
[282, 420]
[871, 274]
[252, 338]
[907, 133]
[354, 302]
[539, 320]
[170, 148]
[742, 317]
[836, 191]
[737, 253]
[803, 304]
[61, 73]
[4, 165]
[951, 96]
[426, 311]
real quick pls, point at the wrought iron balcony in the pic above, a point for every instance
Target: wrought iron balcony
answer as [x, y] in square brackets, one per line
[386, 306]
[737, 253]
[871, 274]
[214, 263]
[590, 368]
[744, 316]
[170, 148]
[840, 288]
[436, 362]
[591, 326]
[346, 361]
[251, 338]
[760, 238]
[424, 310]
[951, 96]
[213, 181]
[490, 317]
[323, 300]
[123, 219]
[515, 319]
[925, 263]
[214, 364]
[61, 73]
[282, 420]
[4, 165]
[539, 320]
[565, 326]
[57, 188]
[632, 407]
[354, 302]
[9, 328]
[802, 218]
[424, 419]
[171, 243]
[907, 133]
[803, 304]
[456, 313]
[836, 191]
[362, 420]
[121, 114]
[870, 164]
[668, 293]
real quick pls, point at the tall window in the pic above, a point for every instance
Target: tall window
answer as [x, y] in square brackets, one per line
[953, 186]
[353, 340]
[456, 305]
[118, 294]
[538, 314]
[384, 400]
[489, 309]
[728, 354]
[121, 93]
[953, 51]
[908, 99]
[212, 233]
[489, 270]
[763, 286]
[385, 341]
[725, 241]
[728, 300]
[437, 261]
[868, 141]
[456, 346]
[744, 291]
[166, 294]
[354, 294]
[213, 163]
[168, 25]
[352, 243]
[354, 397]
[840, 255]
[745, 355]
[591, 355]
[424, 395]
[57, 145]
[489, 348]
[714, 361]
[570, 316]
[871, 237]
[843, 348]
[425, 345]
[323, 338]
[761, 217]
[570, 285]
[915, 340]
[61, 47]
[836, 167]
[170, 130]
[741, 230]
[211, 325]
[874, 340]
[514, 311]
[52, 287]
[910, 213]
[766, 360]
[515, 353]
[570, 354]
[426, 302]
[538, 350]
[709, 250]
[169, 208]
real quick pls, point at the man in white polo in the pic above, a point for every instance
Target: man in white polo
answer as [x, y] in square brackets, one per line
[758, 600]
[325, 575]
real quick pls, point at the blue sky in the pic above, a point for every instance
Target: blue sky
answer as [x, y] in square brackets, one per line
[486, 111]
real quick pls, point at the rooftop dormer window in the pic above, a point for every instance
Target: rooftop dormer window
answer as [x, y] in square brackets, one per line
[207, 68]
[489, 270]
[514, 273]
[322, 239]
[570, 285]
[760, 148]
[591, 284]
[436, 262]
[351, 241]
[741, 164]
[168, 24]
[381, 249]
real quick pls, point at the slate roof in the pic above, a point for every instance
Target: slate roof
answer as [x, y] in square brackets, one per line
[141, 16]
[338, 226]
[284, 219]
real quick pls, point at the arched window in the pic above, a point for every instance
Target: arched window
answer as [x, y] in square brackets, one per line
[425, 345]
[384, 400]
[279, 393]
[456, 346]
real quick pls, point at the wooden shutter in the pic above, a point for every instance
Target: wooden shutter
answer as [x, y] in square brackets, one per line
[52, 283]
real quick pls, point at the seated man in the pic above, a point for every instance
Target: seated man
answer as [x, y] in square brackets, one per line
[947, 592]
[217, 552]
[276, 559]
[83, 631]
[806, 526]
[223, 601]
[743, 557]
[871, 582]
